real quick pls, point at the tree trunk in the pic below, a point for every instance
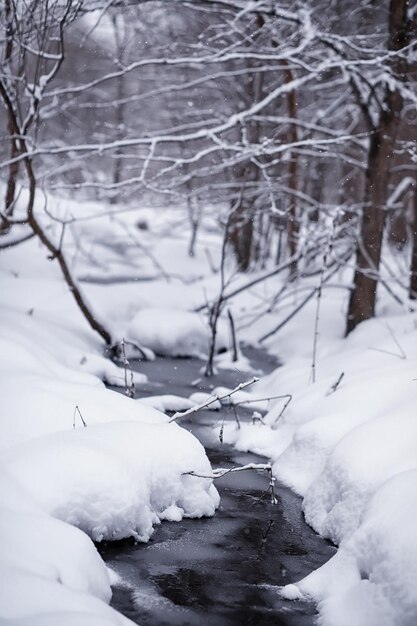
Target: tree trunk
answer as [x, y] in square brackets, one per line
[56, 252]
[293, 226]
[413, 266]
[241, 234]
[382, 141]
[13, 167]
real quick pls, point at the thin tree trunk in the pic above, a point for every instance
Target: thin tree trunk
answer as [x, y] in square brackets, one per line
[13, 167]
[242, 219]
[292, 219]
[240, 234]
[413, 266]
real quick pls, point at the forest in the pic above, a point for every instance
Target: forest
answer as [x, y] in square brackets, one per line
[208, 262]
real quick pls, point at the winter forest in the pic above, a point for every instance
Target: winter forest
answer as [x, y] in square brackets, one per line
[208, 321]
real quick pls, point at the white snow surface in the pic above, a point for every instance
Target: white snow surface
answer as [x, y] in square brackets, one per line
[352, 455]
[116, 480]
[63, 484]
[175, 332]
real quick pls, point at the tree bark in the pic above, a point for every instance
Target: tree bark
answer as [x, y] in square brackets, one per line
[13, 167]
[292, 218]
[240, 233]
[413, 265]
[382, 140]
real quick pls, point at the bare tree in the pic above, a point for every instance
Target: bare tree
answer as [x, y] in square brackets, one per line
[383, 127]
[35, 53]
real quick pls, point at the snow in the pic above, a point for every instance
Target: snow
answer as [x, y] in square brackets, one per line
[371, 580]
[51, 572]
[175, 332]
[116, 480]
[168, 402]
[63, 484]
[350, 453]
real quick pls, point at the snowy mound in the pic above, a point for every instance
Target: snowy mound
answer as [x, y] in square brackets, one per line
[116, 480]
[351, 451]
[51, 572]
[171, 332]
[51, 406]
[371, 580]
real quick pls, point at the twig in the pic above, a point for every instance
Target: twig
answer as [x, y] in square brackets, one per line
[335, 385]
[402, 354]
[212, 399]
[300, 306]
[129, 387]
[267, 399]
[16, 242]
[77, 410]
[254, 281]
[395, 340]
[220, 472]
[212, 266]
[326, 255]
[272, 480]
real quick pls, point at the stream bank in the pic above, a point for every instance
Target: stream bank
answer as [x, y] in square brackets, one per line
[220, 571]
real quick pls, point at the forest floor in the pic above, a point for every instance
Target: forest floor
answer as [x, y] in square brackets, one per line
[346, 443]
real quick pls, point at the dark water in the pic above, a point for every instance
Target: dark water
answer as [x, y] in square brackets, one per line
[223, 570]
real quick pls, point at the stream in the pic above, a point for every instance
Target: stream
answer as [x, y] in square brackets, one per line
[224, 570]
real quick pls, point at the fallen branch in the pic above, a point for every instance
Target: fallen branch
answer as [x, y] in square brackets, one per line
[212, 399]
[220, 472]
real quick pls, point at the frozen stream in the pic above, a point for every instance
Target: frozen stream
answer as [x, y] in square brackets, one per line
[223, 570]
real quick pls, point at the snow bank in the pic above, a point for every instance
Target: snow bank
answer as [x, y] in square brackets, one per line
[168, 402]
[116, 480]
[34, 405]
[172, 332]
[117, 477]
[51, 572]
[352, 454]
[371, 581]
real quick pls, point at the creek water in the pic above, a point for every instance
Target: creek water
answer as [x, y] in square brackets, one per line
[225, 570]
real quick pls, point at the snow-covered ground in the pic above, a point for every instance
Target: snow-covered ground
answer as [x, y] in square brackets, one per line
[78, 461]
[352, 454]
[347, 443]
